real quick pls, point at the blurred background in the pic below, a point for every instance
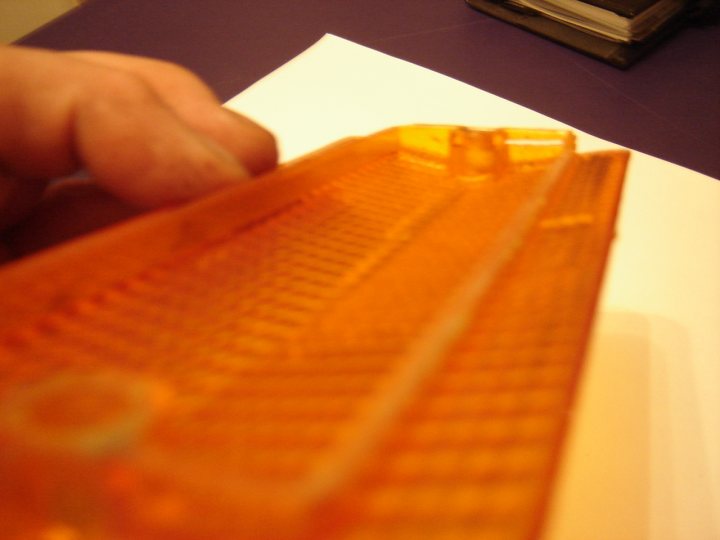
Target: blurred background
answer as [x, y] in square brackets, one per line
[20, 17]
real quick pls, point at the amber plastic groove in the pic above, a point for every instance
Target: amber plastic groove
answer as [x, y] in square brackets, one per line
[380, 340]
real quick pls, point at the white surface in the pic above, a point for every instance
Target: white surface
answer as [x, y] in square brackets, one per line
[643, 461]
[19, 17]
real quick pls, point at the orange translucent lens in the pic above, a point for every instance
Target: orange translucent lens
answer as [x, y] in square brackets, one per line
[380, 340]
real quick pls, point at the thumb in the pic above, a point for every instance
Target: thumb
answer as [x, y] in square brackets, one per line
[138, 149]
[63, 113]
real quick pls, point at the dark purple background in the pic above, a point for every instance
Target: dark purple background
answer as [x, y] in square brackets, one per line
[668, 105]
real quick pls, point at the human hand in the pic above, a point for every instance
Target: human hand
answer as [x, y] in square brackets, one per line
[146, 133]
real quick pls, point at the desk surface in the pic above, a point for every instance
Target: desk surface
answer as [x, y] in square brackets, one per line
[668, 105]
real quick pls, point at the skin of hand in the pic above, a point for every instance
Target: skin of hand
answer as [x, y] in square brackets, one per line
[145, 134]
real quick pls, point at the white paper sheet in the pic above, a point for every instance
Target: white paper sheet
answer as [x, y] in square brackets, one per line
[643, 459]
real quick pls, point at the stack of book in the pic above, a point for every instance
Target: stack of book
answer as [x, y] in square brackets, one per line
[616, 31]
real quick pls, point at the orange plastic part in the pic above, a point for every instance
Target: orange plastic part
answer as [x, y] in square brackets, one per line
[380, 340]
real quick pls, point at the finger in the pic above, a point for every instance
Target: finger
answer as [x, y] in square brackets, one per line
[61, 113]
[197, 106]
[136, 148]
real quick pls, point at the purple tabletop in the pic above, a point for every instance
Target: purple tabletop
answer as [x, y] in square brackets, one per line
[667, 105]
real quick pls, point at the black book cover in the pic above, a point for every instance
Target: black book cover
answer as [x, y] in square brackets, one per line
[621, 55]
[624, 8]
